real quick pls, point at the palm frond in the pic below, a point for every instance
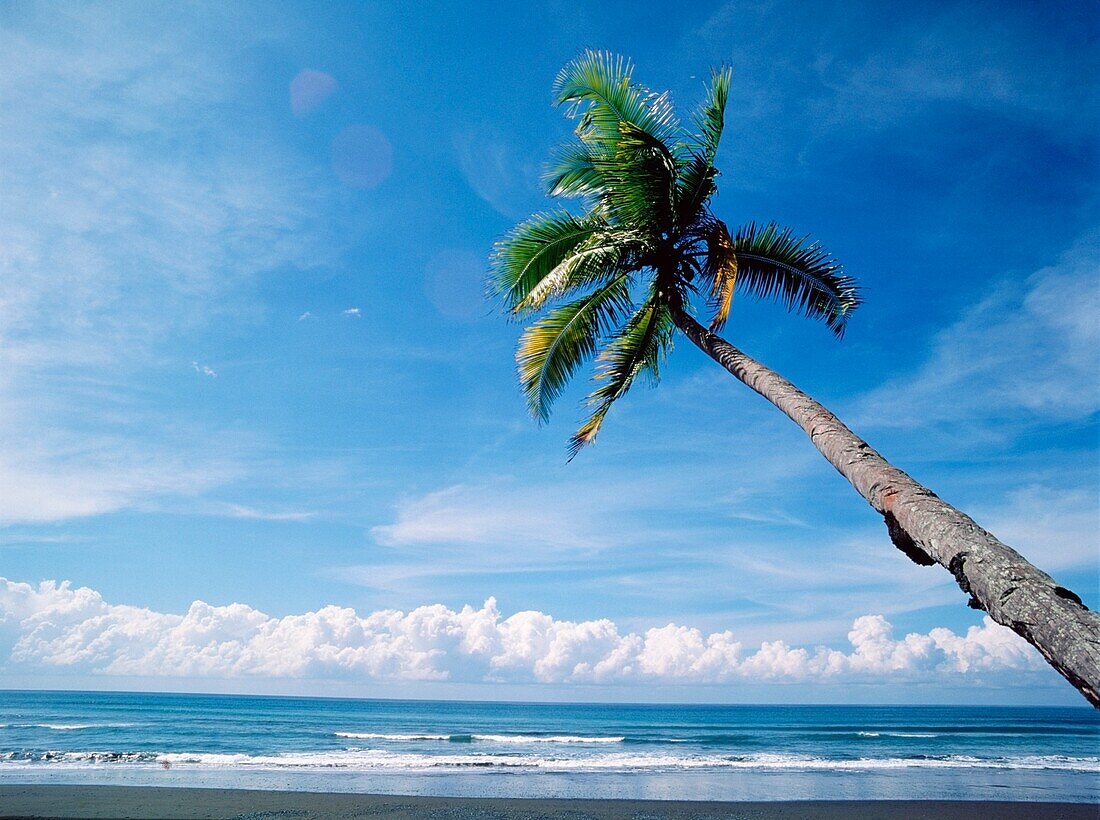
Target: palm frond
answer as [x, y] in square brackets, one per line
[720, 269]
[572, 171]
[696, 183]
[639, 181]
[638, 348]
[603, 255]
[600, 91]
[552, 348]
[775, 264]
[534, 248]
[645, 187]
[710, 119]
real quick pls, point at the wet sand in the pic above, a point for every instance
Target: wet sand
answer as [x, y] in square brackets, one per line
[157, 802]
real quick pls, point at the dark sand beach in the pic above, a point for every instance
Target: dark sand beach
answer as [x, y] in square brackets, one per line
[155, 802]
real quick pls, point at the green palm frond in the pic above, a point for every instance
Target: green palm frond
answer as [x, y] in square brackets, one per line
[638, 348]
[773, 263]
[639, 181]
[696, 183]
[694, 187]
[534, 248]
[599, 88]
[572, 171]
[603, 255]
[710, 119]
[552, 348]
[645, 187]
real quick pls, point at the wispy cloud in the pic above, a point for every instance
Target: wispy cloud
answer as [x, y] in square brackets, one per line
[504, 513]
[861, 68]
[919, 62]
[1057, 527]
[1025, 354]
[740, 505]
[52, 477]
[497, 170]
[641, 544]
[251, 513]
[119, 248]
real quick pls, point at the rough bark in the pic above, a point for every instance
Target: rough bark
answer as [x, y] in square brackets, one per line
[929, 531]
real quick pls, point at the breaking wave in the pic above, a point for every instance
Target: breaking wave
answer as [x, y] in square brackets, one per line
[64, 727]
[377, 759]
[897, 734]
[464, 738]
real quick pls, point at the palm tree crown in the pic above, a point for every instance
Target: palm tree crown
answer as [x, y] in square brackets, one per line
[611, 281]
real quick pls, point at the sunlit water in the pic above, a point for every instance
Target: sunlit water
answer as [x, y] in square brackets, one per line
[627, 751]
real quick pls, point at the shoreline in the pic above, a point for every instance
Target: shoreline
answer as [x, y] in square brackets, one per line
[65, 801]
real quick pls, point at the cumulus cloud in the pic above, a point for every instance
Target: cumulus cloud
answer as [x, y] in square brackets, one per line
[353, 313]
[204, 370]
[56, 626]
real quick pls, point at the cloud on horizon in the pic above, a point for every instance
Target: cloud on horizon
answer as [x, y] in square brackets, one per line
[57, 628]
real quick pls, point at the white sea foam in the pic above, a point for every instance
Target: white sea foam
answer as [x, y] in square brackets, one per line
[483, 738]
[897, 734]
[65, 727]
[379, 736]
[377, 759]
[547, 739]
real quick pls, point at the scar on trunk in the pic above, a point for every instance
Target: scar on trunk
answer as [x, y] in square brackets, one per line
[1069, 595]
[905, 543]
[957, 568]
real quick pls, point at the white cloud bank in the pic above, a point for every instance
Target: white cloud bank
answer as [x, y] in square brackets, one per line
[56, 627]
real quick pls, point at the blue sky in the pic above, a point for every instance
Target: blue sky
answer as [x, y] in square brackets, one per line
[244, 357]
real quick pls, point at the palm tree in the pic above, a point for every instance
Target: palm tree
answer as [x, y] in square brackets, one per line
[618, 280]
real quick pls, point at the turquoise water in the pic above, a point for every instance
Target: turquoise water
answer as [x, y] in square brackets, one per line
[610, 750]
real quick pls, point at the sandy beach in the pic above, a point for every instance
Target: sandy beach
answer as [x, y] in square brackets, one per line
[153, 802]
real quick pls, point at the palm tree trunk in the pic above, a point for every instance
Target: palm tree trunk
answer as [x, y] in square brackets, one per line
[930, 531]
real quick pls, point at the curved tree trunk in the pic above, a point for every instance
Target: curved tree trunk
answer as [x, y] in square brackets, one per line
[930, 531]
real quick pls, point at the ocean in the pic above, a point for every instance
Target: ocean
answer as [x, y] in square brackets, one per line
[457, 748]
